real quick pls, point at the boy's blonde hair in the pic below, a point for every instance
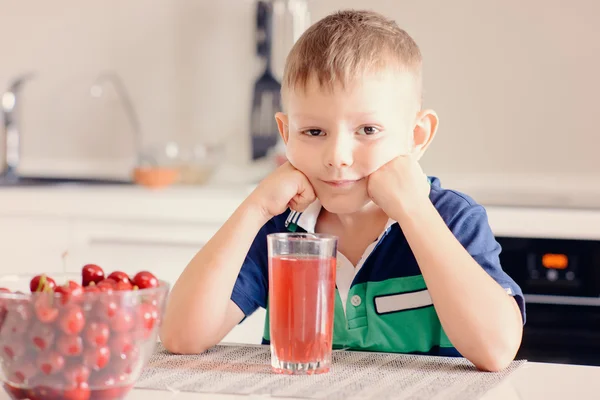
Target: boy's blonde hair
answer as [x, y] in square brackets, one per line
[346, 44]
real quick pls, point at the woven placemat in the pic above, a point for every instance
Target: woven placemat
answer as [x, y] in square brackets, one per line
[246, 369]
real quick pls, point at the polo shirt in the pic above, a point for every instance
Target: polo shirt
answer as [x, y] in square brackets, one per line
[382, 303]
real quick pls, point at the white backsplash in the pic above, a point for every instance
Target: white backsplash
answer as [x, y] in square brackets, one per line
[515, 84]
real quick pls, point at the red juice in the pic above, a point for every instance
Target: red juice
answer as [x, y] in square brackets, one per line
[301, 306]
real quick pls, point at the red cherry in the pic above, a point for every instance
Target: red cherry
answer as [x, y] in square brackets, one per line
[3, 300]
[78, 391]
[45, 388]
[112, 386]
[119, 276]
[106, 308]
[97, 334]
[15, 392]
[42, 336]
[91, 273]
[96, 358]
[70, 293]
[122, 321]
[13, 348]
[148, 317]
[44, 310]
[41, 283]
[50, 362]
[17, 319]
[121, 286]
[76, 373]
[69, 345]
[125, 362]
[121, 343]
[145, 279]
[91, 289]
[22, 371]
[107, 286]
[72, 321]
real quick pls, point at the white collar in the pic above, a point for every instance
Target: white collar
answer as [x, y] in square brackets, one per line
[307, 219]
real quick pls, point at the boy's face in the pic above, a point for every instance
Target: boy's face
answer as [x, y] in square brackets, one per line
[338, 138]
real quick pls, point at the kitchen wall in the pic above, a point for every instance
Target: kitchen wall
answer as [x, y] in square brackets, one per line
[514, 83]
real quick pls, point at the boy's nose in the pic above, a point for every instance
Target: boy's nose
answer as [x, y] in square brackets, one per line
[339, 153]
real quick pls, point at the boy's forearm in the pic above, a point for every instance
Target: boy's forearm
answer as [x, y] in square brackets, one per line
[206, 284]
[480, 319]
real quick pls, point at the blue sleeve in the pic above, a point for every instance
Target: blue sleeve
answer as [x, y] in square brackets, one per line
[252, 285]
[471, 228]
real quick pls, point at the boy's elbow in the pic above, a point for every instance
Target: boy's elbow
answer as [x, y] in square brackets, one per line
[177, 343]
[494, 362]
[497, 358]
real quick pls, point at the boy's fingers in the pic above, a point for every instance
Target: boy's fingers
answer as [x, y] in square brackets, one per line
[304, 197]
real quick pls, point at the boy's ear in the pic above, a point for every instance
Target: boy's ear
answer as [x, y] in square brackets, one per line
[283, 126]
[424, 131]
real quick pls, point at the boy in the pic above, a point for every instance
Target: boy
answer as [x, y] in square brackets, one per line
[418, 268]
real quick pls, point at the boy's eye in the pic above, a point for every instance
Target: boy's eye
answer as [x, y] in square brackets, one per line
[368, 130]
[313, 132]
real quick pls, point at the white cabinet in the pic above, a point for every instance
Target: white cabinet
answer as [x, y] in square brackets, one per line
[161, 248]
[33, 244]
[160, 233]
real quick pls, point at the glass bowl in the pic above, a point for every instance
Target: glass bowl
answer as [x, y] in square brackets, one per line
[75, 343]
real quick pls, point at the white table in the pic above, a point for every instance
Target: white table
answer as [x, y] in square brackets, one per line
[533, 381]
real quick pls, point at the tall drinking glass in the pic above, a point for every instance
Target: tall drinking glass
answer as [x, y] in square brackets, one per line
[301, 301]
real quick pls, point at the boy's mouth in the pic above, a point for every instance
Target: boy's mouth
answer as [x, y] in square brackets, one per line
[342, 183]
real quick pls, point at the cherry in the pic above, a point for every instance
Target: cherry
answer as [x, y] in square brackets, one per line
[144, 280]
[45, 388]
[122, 286]
[148, 317]
[119, 276]
[71, 292]
[121, 343]
[92, 289]
[42, 336]
[125, 362]
[13, 348]
[15, 392]
[72, 321]
[107, 286]
[44, 309]
[76, 373]
[112, 386]
[17, 320]
[96, 358]
[91, 273]
[69, 345]
[78, 391]
[50, 362]
[122, 321]
[41, 283]
[97, 334]
[2, 300]
[22, 371]
[106, 308]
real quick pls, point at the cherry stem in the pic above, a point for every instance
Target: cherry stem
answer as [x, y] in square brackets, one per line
[41, 284]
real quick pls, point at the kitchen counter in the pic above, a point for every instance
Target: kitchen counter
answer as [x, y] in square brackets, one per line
[214, 204]
[204, 204]
[532, 381]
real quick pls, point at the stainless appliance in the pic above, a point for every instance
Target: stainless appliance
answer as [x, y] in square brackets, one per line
[10, 161]
[554, 255]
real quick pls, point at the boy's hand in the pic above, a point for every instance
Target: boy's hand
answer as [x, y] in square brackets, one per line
[285, 187]
[399, 186]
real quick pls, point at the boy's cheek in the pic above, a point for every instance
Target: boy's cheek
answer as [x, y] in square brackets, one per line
[382, 157]
[298, 161]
